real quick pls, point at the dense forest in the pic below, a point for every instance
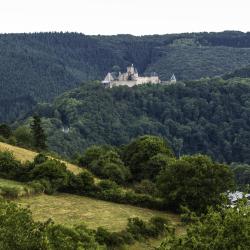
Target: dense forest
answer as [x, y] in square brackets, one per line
[38, 67]
[209, 116]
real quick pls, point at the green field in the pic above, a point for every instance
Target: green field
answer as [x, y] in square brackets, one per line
[72, 209]
[13, 189]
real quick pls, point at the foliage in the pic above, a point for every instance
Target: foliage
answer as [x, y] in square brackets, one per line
[23, 136]
[65, 238]
[136, 229]
[18, 230]
[209, 116]
[194, 181]
[5, 131]
[105, 162]
[146, 187]
[91, 154]
[82, 183]
[40, 158]
[52, 174]
[139, 152]
[38, 133]
[242, 175]
[226, 229]
[10, 168]
[63, 60]
[140, 229]
[110, 166]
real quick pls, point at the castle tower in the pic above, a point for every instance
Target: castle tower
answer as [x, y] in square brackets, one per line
[131, 70]
[173, 79]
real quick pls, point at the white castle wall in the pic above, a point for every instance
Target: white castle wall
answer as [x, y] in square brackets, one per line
[140, 80]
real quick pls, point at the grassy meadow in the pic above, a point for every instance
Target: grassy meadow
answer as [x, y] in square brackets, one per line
[72, 209]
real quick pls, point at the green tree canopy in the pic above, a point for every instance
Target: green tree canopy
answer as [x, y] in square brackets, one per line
[194, 181]
[38, 133]
[5, 131]
[138, 153]
[226, 229]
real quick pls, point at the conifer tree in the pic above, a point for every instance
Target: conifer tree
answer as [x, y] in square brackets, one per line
[38, 133]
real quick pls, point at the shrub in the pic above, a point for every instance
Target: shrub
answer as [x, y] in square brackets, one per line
[10, 168]
[224, 228]
[23, 136]
[5, 131]
[92, 154]
[52, 173]
[140, 229]
[40, 158]
[146, 187]
[12, 140]
[158, 225]
[9, 192]
[110, 166]
[18, 230]
[82, 183]
[65, 238]
[40, 186]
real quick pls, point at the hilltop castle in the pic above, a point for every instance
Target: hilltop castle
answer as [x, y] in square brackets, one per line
[130, 78]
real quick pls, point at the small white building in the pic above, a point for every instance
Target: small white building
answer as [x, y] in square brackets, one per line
[235, 196]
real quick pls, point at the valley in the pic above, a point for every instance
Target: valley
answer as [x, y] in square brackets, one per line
[136, 161]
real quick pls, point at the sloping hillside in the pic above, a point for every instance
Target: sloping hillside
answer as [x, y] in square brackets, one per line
[23, 155]
[38, 67]
[72, 209]
[206, 116]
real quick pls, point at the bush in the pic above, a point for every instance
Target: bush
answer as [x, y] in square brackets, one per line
[110, 166]
[5, 131]
[12, 140]
[223, 228]
[9, 192]
[140, 229]
[23, 136]
[9, 167]
[18, 230]
[52, 174]
[158, 225]
[65, 238]
[146, 187]
[41, 186]
[40, 158]
[110, 239]
[137, 228]
[91, 154]
[82, 183]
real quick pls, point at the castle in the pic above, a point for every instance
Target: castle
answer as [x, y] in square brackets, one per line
[131, 78]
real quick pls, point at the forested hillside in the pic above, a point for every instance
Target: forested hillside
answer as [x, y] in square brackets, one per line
[207, 116]
[38, 67]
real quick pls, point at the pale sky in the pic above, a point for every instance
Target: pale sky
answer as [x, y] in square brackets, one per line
[137, 17]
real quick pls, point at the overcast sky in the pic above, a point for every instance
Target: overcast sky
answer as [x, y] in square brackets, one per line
[136, 17]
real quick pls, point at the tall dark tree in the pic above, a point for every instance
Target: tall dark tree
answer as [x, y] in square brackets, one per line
[38, 133]
[5, 131]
